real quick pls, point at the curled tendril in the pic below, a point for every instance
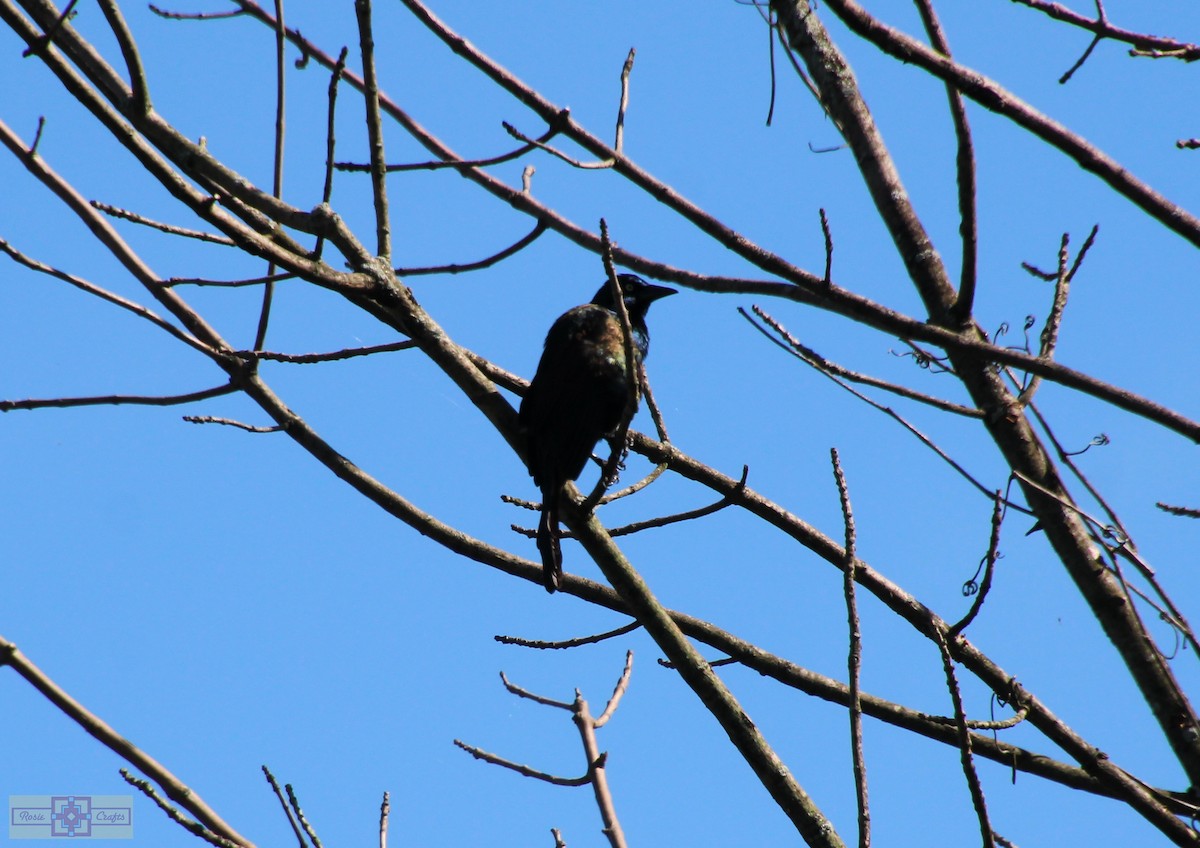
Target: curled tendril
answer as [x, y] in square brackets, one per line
[1114, 533]
[922, 360]
[971, 586]
[1180, 643]
[1098, 441]
[1030, 320]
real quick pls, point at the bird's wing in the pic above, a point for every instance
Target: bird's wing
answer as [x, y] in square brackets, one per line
[577, 394]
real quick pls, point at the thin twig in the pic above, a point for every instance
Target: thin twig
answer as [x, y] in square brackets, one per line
[41, 43]
[171, 282]
[194, 16]
[192, 827]
[37, 135]
[833, 370]
[523, 770]
[771, 62]
[268, 293]
[1083, 252]
[711, 663]
[458, 164]
[968, 226]
[172, 229]
[458, 268]
[332, 356]
[1066, 77]
[993, 553]
[1049, 339]
[688, 515]
[330, 140]
[117, 400]
[104, 294]
[287, 811]
[567, 643]
[964, 743]
[637, 526]
[634, 488]
[854, 655]
[530, 696]
[1185, 511]
[553, 151]
[828, 234]
[229, 422]
[308, 829]
[618, 692]
[626, 70]
[993, 725]
[660, 426]
[767, 13]
[383, 227]
[129, 50]
[384, 810]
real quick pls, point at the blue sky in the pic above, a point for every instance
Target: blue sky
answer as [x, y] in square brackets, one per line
[223, 601]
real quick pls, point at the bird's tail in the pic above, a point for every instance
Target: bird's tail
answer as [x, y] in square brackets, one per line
[547, 541]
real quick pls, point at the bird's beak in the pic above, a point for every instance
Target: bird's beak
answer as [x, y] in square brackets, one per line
[651, 293]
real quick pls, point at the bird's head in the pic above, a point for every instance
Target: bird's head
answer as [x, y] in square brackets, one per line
[637, 293]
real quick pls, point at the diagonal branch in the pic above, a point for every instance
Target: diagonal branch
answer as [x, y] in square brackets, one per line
[117, 400]
[182, 795]
[104, 294]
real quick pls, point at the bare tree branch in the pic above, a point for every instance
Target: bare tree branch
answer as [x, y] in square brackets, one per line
[184, 796]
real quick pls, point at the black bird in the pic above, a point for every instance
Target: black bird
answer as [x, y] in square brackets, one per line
[578, 396]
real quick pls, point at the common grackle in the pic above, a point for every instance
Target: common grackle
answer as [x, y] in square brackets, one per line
[578, 395]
